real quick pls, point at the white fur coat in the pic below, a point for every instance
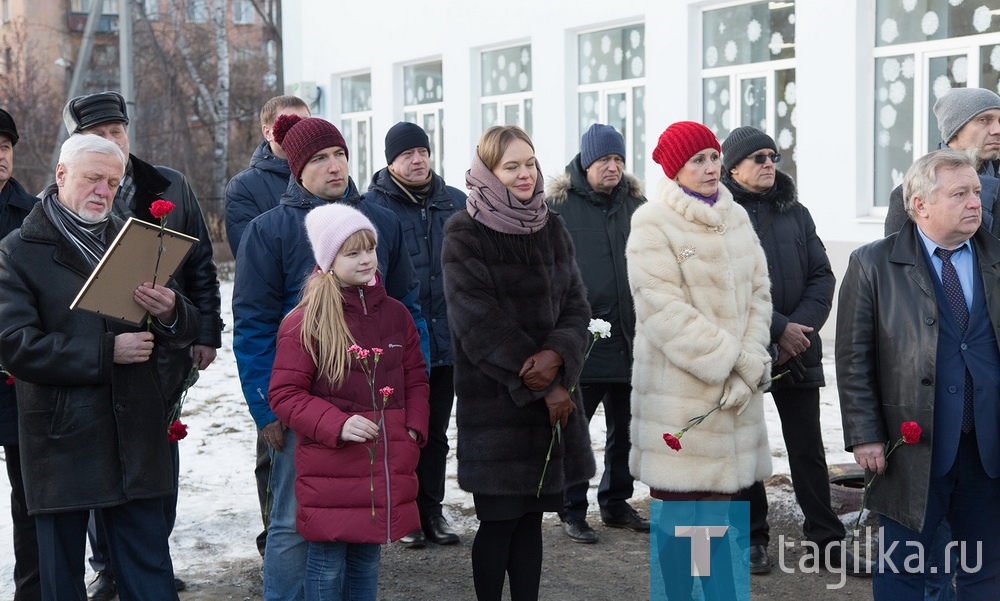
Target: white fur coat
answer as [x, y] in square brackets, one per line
[702, 295]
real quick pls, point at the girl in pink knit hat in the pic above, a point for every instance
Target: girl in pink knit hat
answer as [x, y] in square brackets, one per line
[350, 380]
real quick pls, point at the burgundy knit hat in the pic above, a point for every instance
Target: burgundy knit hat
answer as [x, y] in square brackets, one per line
[301, 138]
[681, 141]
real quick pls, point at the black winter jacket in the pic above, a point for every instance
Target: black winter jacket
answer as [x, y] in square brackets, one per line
[197, 278]
[510, 297]
[256, 189]
[92, 433]
[599, 225]
[15, 204]
[423, 232]
[802, 281]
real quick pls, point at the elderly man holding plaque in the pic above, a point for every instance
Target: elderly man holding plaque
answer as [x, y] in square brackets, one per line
[93, 431]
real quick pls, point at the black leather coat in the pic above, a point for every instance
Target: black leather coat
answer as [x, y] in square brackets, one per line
[887, 336]
[92, 433]
[197, 278]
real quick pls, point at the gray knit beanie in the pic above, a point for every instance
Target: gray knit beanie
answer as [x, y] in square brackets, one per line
[958, 106]
[598, 141]
[742, 142]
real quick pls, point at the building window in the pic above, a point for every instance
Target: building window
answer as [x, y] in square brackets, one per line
[4, 11]
[243, 12]
[506, 87]
[271, 76]
[946, 46]
[110, 7]
[151, 9]
[356, 125]
[748, 73]
[423, 104]
[197, 11]
[612, 86]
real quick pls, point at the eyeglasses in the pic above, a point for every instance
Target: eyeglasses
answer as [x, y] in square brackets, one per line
[760, 159]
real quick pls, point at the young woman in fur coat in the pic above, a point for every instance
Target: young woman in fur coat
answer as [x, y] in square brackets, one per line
[518, 316]
[703, 307]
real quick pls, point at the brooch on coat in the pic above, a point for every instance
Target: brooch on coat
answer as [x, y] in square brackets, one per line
[719, 229]
[687, 251]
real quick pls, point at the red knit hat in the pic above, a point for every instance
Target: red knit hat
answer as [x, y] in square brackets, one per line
[681, 141]
[301, 138]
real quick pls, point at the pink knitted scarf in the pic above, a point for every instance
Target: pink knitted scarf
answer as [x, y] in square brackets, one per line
[491, 203]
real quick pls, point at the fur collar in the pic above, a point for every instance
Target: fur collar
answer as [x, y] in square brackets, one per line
[575, 179]
[693, 209]
[783, 197]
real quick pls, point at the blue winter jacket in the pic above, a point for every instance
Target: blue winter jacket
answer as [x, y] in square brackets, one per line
[254, 191]
[15, 204]
[423, 232]
[272, 264]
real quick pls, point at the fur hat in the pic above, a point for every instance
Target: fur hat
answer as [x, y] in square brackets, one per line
[598, 141]
[301, 138]
[404, 136]
[742, 142]
[328, 226]
[958, 106]
[681, 141]
[8, 128]
[84, 112]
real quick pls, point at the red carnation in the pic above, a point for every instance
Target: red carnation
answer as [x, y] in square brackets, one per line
[10, 380]
[911, 432]
[672, 441]
[282, 125]
[385, 391]
[161, 208]
[177, 431]
[377, 350]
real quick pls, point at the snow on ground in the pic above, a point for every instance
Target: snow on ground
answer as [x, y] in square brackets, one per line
[218, 516]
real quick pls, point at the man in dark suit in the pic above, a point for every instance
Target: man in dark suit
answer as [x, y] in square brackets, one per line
[916, 342]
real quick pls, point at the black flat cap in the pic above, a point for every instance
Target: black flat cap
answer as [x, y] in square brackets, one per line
[94, 109]
[7, 127]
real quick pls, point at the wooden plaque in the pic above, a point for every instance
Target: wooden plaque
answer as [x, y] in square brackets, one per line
[129, 261]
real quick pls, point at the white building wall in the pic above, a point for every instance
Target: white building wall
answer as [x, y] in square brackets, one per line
[834, 44]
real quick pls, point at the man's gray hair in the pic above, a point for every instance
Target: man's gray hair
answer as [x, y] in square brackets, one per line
[921, 178]
[78, 144]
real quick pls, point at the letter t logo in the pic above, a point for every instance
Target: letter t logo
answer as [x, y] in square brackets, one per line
[701, 545]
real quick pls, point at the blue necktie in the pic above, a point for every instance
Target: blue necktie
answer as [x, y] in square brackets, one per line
[956, 298]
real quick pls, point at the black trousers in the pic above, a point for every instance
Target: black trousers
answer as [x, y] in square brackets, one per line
[615, 488]
[798, 409]
[136, 536]
[101, 558]
[434, 456]
[27, 586]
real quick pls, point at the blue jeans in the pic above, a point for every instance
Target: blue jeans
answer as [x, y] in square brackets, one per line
[348, 571]
[285, 552]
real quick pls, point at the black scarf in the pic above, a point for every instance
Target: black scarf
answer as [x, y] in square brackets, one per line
[88, 238]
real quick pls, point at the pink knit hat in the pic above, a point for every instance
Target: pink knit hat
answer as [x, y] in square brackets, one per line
[329, 226]
[302, 138]
[681, 141]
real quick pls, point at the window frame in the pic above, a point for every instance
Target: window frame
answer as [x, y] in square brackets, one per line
[922, 53]
[504, 100]
[604, 89]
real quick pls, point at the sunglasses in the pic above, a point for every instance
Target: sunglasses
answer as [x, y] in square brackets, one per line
[760, 159]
